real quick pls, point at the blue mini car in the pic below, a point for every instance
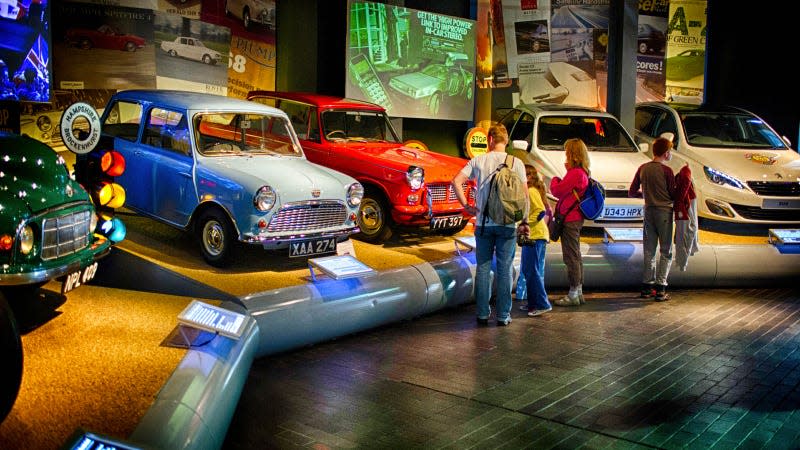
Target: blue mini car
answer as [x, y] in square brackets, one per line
[227, 170]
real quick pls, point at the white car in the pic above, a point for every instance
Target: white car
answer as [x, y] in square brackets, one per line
[743, 171]
[538, 132]
[249, 11]
[191, 48]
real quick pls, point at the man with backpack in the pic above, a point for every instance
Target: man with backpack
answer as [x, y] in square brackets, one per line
[501, 201]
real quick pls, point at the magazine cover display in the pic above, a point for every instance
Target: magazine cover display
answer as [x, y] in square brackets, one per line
[686, 51]
[651, 45]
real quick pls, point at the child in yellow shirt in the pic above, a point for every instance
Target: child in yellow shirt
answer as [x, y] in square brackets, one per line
[533, 239]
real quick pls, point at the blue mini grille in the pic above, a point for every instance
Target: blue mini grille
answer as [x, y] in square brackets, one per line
[307, 217]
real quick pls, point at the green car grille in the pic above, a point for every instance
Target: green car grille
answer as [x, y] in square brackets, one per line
[65, 234]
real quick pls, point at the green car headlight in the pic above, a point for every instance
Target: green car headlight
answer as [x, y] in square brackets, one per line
[26, 240]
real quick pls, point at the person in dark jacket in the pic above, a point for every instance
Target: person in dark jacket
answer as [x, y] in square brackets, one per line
[655, 182]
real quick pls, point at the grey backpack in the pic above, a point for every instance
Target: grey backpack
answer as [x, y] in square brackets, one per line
[506, 201]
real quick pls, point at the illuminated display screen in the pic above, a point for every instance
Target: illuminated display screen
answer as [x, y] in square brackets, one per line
[91, 441]
[413, 63]
[213, 318]
[25, 67]
[785, 236]
[624, 234]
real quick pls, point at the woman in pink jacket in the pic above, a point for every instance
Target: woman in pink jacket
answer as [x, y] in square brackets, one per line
[568, 190]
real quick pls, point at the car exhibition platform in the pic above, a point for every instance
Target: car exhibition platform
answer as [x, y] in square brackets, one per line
[709, 367]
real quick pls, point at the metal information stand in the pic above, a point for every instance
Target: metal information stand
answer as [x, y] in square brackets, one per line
[622, 235]
[339, 267]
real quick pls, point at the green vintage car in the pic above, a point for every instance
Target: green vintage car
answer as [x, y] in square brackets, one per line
[47, 223]
[47, 220]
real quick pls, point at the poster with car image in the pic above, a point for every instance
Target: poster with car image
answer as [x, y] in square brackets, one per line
[527, 36]
[413, 63]
[651, 45]
[185, 8]
[25, 52]
[102, 47]
[253, 25]
[191, 55]
[686, 46]
[252, 67]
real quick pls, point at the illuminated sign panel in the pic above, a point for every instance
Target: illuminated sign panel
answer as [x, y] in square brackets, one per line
[213, 318]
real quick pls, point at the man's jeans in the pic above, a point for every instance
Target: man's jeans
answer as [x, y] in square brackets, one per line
[658, 225]
[498, 242]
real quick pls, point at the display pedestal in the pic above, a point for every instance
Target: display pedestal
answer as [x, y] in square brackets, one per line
[622, 235]
[467, 242]
[339, 267]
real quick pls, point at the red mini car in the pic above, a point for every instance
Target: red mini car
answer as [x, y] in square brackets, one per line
[403, 186]
[104, 36]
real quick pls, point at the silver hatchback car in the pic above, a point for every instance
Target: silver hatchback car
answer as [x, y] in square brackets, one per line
[743, 170]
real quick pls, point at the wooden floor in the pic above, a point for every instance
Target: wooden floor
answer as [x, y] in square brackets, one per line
[707, 369]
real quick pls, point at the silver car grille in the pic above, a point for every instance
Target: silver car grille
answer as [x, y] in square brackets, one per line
[444, 192]
[65, 234]
[294, 217]
[775, 188]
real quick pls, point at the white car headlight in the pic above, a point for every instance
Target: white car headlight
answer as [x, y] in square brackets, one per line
[265, 198]
[415, 177]
[354, 194]
[721, 178]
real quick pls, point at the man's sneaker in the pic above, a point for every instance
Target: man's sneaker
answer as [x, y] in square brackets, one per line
[523, 307]
[568, 301]
[505, 322]
[539, 312]
[648, 291]
[661, 293]
[482, 321]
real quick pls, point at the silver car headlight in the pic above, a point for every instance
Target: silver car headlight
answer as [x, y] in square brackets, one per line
[721, 178]
[265, 198]
[415, 177]
[354, 194]
[26, 240]
[93, 223]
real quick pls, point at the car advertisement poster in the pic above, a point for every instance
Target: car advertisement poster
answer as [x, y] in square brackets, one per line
[528, 37]
[253, 56]
[557, 50]
[118, 41]
[686, 50]
[252, 67]
[651, 45]
[491, 57]
[413, 63]
[192, 55]
[185, 8]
